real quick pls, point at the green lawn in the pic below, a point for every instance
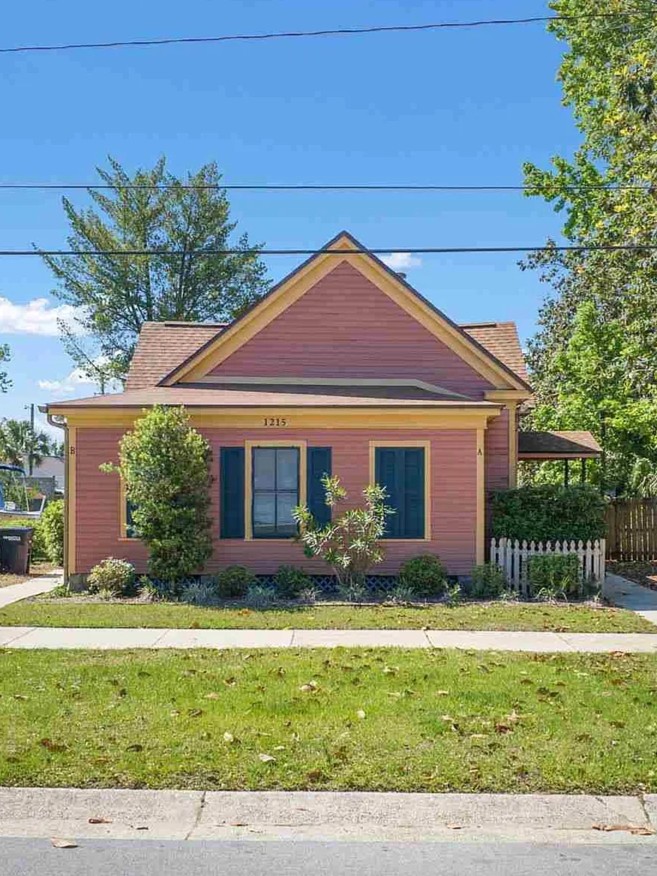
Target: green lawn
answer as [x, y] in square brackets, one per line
[340, 719]
[46, 612]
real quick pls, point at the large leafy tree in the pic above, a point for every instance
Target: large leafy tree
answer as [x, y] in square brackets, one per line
[5, 382]
[116, 294]
[607, 191]
[165, 466]
[21, 445]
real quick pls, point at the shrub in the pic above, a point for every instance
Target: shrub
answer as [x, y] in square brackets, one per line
[400, 594]
[290, 581]
[554, 575]
[164, 464]
[488, 581]
[201, 593]
[424, 575]
[113, 577]
[548, 512]
[234, 582]
[349, 543]
[260, 596]
[51, 529]
[352, 591]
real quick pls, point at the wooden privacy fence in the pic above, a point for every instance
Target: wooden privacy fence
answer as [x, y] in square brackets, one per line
[513, 555]
[632, 529]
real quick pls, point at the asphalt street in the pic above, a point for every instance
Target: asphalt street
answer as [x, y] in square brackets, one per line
[37, 857]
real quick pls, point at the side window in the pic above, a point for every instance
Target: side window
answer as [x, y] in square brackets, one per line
[130, 528]
[401, 471]
[275, 489]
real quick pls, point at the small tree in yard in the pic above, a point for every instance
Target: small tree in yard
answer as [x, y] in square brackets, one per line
[164, 464]
[350, 542]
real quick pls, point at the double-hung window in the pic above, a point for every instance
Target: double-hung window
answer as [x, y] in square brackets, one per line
[275, 491]
[401, 471]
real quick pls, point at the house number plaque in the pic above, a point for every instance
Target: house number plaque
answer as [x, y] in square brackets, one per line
[274, 421]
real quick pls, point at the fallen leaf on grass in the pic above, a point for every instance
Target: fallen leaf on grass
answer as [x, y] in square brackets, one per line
[211, 696]
[63, 843]
[135, 747]
[194, 713]
[266, 758]
[360, 714]
[20, 697]
[100, 821]
[635, 829]
[442, 693]
[54, 747]
[309, 687]
[228, 737]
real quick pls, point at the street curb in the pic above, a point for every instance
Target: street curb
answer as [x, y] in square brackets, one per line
[308, 815]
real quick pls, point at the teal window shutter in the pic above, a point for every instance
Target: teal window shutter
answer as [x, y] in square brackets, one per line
[319, 464]
[400, 470]
[231, 492]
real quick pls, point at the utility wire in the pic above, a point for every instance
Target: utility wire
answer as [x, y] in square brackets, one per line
[629, 247]
[342, 31]
[320, 187]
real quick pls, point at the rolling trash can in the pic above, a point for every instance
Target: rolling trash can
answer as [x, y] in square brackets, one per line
[15, 549]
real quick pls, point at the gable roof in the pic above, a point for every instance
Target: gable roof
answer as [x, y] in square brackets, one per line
[501, 339]
[217, 348]
[163, 346]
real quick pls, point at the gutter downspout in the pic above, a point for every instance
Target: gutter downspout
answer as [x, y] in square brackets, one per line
[43, 409]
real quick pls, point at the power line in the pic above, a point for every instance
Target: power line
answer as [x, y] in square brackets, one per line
[342, 31]
[427, 250]
[318, 187]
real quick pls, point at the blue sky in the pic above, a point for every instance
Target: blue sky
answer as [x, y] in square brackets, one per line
[438, 107]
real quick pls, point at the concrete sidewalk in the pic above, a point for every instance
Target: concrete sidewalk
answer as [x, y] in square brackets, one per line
[310, 815]
[481, 640]
[33, 587]
[628, 594]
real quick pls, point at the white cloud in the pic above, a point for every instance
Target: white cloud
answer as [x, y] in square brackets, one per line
[397, 260]
[76, 383]
[36, 317]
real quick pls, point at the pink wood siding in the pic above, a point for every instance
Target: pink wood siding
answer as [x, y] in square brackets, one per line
[497, 452]
[346, 327]
[453, 498]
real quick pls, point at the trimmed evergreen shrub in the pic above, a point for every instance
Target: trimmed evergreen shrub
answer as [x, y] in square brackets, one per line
[488, 581]
[113, 577]
[424, 575]
[234, 582]
[554, 575]
[548, 512]
[51, 531]
[290, 581]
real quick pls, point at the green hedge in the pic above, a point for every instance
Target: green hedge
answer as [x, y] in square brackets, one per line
[547, 512]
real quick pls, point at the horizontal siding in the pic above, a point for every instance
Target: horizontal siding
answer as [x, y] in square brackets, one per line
[453, 499]
[497, 452]
[346, 327]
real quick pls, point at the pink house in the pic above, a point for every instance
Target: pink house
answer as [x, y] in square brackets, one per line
[344, 368]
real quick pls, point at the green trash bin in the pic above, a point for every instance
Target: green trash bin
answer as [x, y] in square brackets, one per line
[15, 549]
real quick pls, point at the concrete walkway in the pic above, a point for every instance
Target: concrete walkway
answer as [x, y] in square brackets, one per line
[33, 587]
[323, 815]
[630, 595]
[481, 640]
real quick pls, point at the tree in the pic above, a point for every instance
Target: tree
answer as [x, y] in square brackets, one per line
[349, 543]
[607, 192]
[21, 445]
[5, 382]
[116, 294]
[164, 465]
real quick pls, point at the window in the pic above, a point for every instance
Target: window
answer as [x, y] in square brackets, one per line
[130, 528]
[401, 471]
[275, 472]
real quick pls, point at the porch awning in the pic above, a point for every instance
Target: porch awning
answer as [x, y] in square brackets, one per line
[557, 445]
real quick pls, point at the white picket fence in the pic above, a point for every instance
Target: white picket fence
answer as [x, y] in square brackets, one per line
[512, 555]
